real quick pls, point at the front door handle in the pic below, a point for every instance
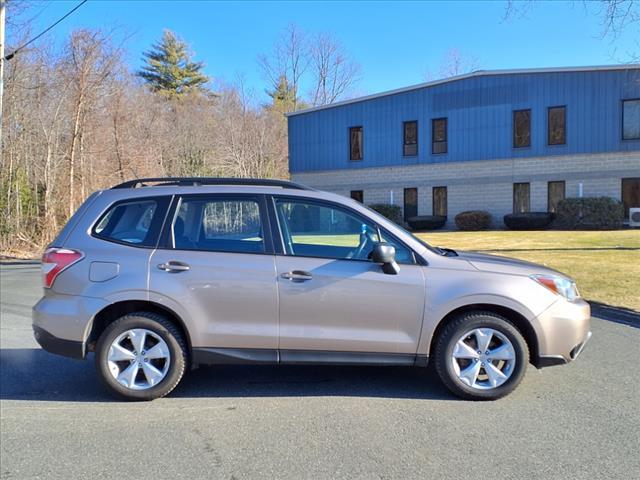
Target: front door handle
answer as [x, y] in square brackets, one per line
[174, 267]
[297, 276]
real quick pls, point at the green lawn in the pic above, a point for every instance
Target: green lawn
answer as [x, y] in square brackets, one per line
[606, 265]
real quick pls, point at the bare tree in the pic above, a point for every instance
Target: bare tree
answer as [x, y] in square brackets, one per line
[334, 73]
[454, 63]
[615, 15]
[89, 63]
[77, 119]
[289, 60]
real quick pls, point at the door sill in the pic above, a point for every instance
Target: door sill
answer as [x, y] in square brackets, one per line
[253, 356]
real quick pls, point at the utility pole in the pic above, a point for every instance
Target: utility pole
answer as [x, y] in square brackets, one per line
[3, 4]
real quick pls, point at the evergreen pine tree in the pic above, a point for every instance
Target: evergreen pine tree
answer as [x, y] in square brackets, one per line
[283, 96]
[168, 67]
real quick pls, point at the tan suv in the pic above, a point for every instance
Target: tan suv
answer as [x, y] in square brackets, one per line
[157, 275]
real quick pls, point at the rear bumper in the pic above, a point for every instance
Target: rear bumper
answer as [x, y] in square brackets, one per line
[59, 346]
[565, 332]
[61, 323]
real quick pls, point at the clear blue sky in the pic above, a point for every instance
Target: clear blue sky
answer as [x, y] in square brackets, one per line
[396, 43]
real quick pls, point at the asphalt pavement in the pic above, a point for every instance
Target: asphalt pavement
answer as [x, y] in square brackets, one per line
[580, 421]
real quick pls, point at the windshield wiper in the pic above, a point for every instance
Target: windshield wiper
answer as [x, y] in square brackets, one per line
[448, 252]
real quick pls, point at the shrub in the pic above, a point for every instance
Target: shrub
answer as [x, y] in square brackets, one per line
[595, 213]
[473, 220]
[528, 221]
[392, 212]
[427, 222]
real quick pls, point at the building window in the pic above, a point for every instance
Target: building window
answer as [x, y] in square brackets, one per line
[357, 195]
[521, 128]
[521, 198]
[555, 193]
[355, 143]
[439, 135]
[556, 126]
[410, 203]
[630, 194]
[440, 201]
[410, 139]
[631, 119]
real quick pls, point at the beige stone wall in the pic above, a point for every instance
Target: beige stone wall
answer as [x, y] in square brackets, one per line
[485, 185]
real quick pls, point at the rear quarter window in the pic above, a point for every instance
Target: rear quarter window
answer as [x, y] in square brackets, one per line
[133, 222]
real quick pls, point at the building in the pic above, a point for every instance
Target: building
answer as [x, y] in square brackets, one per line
[501, 141]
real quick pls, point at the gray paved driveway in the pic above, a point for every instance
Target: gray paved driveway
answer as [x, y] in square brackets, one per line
[579, 421]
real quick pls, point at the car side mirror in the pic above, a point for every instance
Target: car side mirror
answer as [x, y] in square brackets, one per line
[385, 254]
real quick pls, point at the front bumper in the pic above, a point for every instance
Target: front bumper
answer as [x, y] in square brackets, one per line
[564, 332]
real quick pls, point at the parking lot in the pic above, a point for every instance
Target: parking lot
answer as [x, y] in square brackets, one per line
[573, 422]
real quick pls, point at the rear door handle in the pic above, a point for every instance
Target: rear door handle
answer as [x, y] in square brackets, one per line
[174, 267]
[297, 276]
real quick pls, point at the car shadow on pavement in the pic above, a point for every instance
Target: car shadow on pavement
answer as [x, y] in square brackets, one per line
[31, 374]
[615, 314]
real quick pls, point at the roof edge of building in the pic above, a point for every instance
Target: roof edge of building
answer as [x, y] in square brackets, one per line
[476, 73]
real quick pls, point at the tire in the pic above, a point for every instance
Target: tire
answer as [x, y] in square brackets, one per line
[456, 364]
[167, 355]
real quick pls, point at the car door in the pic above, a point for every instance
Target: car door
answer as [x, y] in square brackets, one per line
[335, 303]
[218, 269]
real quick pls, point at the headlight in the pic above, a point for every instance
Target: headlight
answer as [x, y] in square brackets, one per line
[558, 285]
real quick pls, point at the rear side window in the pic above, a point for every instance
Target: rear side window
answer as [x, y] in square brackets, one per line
[134, 222]
[218, 225]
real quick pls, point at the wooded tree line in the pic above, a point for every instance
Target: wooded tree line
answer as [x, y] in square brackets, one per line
[78, 119]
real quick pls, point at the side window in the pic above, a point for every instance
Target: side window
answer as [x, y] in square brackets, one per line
[355, 143]
[521, 128]
[316, 230]
[439, 135]
[556, 126]
[130, 222]
[410, 138]
[631, 119]
[218, 225]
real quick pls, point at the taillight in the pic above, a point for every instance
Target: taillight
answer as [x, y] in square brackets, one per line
[55, 260]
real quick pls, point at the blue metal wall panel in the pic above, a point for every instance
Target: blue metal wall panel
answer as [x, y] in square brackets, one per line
[480, 116]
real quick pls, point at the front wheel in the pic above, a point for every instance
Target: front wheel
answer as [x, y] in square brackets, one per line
[141, 356]
[481, 356]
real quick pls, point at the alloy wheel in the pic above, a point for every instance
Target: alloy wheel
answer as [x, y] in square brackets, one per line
[483, 358]
[138, 359]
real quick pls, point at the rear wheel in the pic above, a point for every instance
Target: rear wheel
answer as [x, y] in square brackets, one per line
[481, 356]
[141, 356]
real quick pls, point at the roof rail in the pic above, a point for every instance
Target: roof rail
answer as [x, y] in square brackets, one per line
[198, 181]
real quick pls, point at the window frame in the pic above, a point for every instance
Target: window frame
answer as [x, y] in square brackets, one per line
[623, 181]
[446, 135]
[280, 243]
[446, 200]
[166, 241]
[404, 202]
[528, 196]
[359, 193]
[564, 137]
[564, 193]
[361, 128]
[622, 120]
[513, 128]
[154, 234]
[404, 139]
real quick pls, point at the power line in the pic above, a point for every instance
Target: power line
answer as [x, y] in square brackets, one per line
[12, 54]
